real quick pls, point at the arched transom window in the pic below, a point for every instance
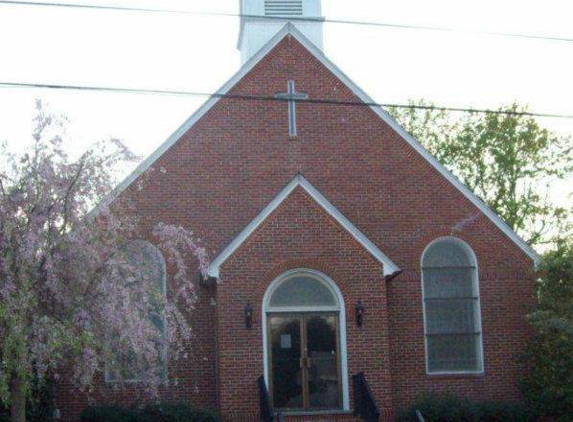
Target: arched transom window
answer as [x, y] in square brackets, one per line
[303, 292]
[451, 308]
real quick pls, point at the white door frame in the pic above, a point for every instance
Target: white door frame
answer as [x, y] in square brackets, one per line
[328, 282]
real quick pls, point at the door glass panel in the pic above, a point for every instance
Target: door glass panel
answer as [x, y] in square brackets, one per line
[287, 380]
[322, 364]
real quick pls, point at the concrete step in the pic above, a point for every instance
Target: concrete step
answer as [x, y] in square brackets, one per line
[322, 418]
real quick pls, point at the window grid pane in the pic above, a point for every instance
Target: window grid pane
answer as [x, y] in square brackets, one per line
[447, 353]
[449, 282]
[451, 316]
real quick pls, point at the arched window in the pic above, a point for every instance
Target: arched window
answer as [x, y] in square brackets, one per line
[301, 292]
[452, 317]
[150, 265]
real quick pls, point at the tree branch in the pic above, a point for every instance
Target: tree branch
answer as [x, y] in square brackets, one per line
[68, 192]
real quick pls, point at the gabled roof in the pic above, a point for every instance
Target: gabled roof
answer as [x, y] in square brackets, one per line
[290, 29]
[300, 181]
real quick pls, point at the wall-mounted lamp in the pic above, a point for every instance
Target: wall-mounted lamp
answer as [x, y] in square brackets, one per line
[248, 316]
[359, 313]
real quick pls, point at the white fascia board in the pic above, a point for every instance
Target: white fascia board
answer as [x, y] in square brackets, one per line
[386, 117]
[299, 180]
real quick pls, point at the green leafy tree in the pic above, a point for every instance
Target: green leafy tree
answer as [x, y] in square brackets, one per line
[549, 385]
[508, 160]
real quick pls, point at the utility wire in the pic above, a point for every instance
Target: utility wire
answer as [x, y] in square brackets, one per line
[269, 98]
[290, 18]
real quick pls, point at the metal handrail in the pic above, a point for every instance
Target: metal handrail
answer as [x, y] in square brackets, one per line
[364, 404]
[266, 411]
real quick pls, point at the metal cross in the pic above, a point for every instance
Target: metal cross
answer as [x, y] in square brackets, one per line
[292, 96]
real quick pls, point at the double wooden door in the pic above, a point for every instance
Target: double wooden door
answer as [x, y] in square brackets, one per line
[304, 361]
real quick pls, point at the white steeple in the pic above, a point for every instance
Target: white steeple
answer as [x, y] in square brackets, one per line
[262, 19]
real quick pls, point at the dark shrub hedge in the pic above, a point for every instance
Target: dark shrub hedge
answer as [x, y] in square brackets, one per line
[175, 413]
[548, 386]
[450, 408]
[152, 413]
[108, 414]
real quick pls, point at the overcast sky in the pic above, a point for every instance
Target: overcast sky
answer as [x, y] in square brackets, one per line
[192, 53]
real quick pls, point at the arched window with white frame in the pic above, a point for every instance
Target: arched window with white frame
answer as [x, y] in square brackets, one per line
[151, 267]
[452, 315]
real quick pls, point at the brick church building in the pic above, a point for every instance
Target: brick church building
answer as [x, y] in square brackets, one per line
[340, 245]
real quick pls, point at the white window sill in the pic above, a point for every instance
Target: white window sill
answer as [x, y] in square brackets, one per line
[473, 374]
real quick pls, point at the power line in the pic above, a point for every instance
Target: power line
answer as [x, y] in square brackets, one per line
[291, 18]
[269, 98]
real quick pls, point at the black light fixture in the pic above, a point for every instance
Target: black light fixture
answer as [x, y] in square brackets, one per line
[248, 316]
[359, 308]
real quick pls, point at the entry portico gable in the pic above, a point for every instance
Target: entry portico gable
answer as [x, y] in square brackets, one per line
[300, 181]
[307, 333]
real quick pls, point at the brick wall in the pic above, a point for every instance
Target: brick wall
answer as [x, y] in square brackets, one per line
[233, 162]
[191, 379]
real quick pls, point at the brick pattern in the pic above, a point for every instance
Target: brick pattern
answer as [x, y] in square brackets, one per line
[337, 417]
[233, 162]
[190, 380]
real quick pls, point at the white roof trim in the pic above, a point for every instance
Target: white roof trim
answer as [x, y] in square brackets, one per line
[195, 117]
[299, 180]
[384, 115]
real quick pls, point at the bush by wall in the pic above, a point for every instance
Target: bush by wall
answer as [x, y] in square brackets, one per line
[449, 408]
[108, 414]
[153, 413]
[549, 384]
[175, 413]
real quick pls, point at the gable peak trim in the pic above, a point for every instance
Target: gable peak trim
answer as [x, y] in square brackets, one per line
[146, 164]
[300, 181]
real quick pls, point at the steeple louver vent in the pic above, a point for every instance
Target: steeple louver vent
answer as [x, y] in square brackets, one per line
[283, 8]
[256, 31]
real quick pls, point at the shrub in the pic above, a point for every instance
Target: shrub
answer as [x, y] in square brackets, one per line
[151, 413]
[450, 408]
[549, 385]
[108, 414]
[41, 405]
[175, 413]
[503, 412]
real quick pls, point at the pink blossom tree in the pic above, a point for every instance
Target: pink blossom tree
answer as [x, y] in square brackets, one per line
[76, 294]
